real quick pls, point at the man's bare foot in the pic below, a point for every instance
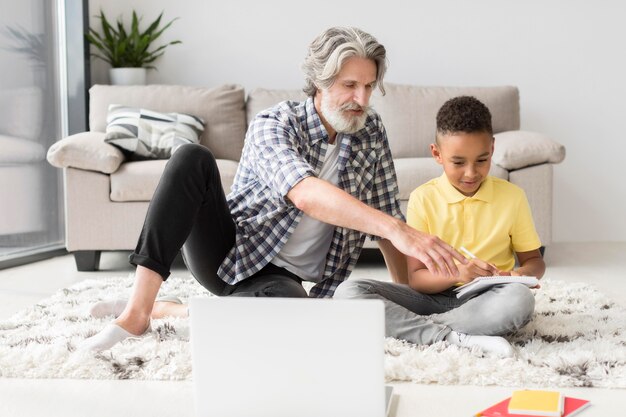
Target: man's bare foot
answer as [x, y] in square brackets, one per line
[163, 309]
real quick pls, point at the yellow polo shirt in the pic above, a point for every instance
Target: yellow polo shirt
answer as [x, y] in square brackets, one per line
[492, 224]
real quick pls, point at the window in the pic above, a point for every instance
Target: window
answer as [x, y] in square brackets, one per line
[43, 81]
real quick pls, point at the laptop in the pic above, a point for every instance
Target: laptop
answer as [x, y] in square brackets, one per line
[288, 357]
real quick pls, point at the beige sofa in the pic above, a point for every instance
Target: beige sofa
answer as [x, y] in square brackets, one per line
[107, 197]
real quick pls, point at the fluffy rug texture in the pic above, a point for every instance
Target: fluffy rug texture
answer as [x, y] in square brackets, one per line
[577, 338]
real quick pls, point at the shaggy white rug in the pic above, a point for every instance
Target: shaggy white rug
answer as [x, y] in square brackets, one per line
[577, 338]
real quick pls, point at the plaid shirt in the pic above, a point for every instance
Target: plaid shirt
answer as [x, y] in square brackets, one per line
[284, 145]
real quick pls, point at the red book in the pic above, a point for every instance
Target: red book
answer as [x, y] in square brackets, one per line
[572, 407]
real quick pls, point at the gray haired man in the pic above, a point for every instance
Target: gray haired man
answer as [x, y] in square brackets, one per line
[315, 178]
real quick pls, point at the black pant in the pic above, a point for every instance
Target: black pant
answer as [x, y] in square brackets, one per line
[189, 211]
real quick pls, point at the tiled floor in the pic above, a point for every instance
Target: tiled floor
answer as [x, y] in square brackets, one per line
[602, 264]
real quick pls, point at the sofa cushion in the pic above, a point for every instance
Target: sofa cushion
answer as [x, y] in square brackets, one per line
[260, 99]
[409, 112]
[86, 150]
[20, 151]
[498, 171]
[413, 172]
[136, 181]
[146, 134]
[519, 149]
[222, 109]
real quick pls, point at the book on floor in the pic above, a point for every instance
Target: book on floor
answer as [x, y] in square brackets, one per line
[572, 406]
[536, 403]
[482, 283]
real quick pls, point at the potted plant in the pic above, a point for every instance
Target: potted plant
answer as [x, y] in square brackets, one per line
[128, 51]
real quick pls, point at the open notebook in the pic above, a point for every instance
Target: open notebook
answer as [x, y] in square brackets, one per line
[482, 283]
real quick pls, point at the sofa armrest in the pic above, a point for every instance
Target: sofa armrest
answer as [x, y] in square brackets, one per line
[518, 149]
[86, 150]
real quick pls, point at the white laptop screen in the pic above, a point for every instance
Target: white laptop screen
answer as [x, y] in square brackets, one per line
[288, 357]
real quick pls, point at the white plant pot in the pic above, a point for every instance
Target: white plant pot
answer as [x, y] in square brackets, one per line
[128, 76]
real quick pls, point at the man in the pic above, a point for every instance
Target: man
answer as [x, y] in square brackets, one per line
[314, 178]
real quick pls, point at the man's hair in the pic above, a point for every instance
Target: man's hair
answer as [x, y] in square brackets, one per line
[463, 114]
[329, 51]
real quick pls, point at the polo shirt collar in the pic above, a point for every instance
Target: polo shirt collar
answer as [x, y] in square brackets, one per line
[452, 195]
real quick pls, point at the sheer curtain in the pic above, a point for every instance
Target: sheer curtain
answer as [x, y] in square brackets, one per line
[33, 115]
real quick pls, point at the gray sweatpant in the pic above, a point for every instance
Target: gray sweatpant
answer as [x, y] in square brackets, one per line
[427, 318]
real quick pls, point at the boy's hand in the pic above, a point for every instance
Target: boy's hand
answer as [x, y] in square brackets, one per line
[514, 273]
[476, 268]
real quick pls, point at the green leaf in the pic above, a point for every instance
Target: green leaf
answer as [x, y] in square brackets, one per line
[128, 47]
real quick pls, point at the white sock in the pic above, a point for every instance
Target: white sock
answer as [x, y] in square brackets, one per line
[108, 337]
[489, 344]
[108, 308]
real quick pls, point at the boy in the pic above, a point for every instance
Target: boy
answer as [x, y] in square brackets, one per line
[464, 207]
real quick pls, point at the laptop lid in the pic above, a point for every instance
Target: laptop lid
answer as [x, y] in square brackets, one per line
[287, 357]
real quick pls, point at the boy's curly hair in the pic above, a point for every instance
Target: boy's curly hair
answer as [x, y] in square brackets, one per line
[463, 114]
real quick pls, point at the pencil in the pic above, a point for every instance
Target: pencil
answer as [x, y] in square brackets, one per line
[468, 253]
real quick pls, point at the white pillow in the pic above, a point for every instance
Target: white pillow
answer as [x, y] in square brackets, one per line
[147, 134]
[85, 150]
[519, 149]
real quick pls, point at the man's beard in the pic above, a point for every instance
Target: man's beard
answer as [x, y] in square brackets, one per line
[339, 121]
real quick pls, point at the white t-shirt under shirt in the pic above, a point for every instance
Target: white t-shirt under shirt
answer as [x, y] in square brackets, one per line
[304, 254]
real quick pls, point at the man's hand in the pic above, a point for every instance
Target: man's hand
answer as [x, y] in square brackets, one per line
[433, 252]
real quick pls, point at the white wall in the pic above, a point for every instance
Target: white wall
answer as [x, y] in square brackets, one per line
[568, 58]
